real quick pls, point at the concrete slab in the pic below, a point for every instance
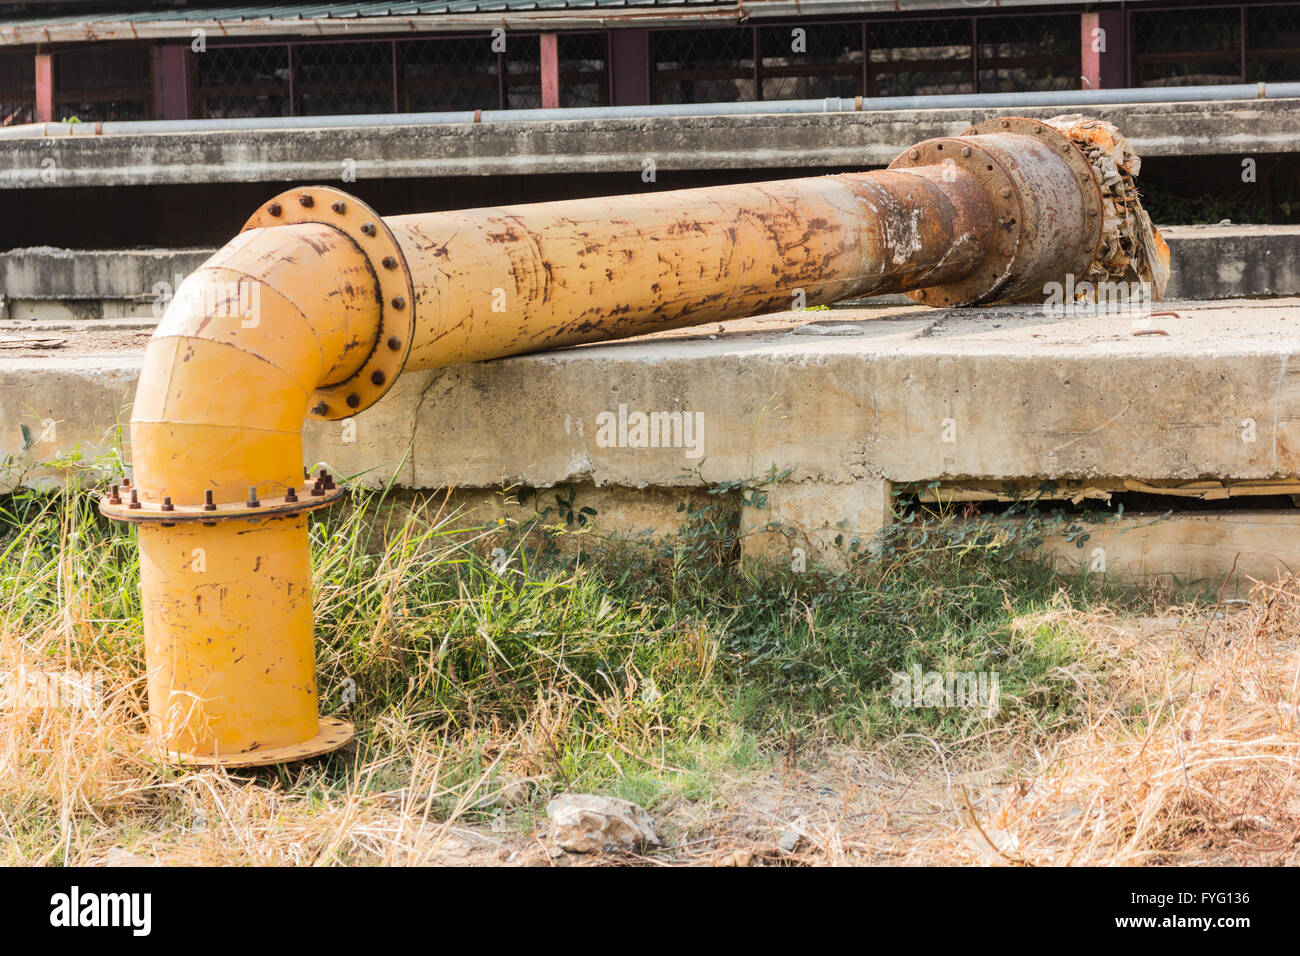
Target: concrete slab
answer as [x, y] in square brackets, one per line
[848, 402]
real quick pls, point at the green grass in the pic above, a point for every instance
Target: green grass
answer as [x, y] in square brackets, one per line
[642, 670]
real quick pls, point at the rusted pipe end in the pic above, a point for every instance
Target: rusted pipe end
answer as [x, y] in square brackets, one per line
[1131, 248]
[1046, 203]
[1067, 210]
[395, 329]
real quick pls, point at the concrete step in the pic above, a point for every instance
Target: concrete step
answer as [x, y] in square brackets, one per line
[760, 141]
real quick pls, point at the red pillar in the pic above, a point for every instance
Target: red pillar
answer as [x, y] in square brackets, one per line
[1104, 49]
[629, 67]
[171, 81]
[550, 71]
[44, 87]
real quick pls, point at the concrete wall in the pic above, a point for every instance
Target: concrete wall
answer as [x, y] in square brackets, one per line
[832, 140]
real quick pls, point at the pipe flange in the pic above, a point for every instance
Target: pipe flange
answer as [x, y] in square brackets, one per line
[166, 514]
[1080, 168]
[331, 734]
[328, 206]
[993, 270]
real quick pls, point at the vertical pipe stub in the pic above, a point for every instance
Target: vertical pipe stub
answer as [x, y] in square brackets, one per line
[243, 695]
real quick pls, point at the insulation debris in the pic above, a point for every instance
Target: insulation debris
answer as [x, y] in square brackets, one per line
[1132, 249]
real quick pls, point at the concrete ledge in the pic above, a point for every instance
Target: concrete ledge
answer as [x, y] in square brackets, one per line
[44, 272]
[1223, 262]
[904, 395]
[910, 396]
[841, 140]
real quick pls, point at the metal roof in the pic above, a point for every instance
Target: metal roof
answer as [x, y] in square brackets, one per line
[324, 19]
[339, 11]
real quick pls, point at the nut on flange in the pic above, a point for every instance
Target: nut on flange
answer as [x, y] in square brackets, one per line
[396, 293]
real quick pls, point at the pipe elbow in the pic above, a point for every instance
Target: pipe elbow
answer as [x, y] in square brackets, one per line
[243, 346]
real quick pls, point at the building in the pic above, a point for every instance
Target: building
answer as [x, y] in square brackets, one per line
[158, 59]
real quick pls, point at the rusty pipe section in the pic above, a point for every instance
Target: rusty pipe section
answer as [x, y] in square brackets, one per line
[319, 304]
[555, 274]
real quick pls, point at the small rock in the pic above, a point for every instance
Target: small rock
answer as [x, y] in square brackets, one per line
[738, 858]
[818, 328]
[583, 823]
[790, 839]
[514, 794]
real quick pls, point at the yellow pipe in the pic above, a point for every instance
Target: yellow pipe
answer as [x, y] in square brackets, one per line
[218, 416]
[249, 683]
[561, 273]
[318, 306]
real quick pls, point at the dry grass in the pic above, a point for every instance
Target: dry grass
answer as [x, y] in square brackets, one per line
[1189, 756]
[1186, 752]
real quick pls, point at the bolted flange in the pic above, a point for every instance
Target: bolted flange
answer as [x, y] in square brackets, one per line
[1081, 172]
[987, 167]
[396, 328]
[316, 494]
[1046, 201]
[332, 734]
